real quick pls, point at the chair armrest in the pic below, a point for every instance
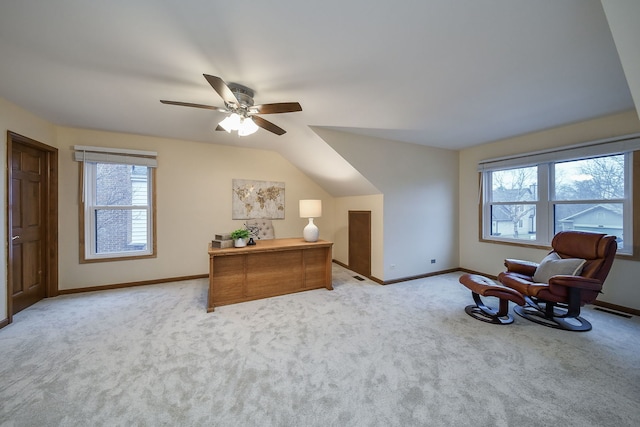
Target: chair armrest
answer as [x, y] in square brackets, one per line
[516, 281]
[526, 268]
[575, 282]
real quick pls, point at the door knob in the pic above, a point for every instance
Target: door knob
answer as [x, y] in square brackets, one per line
[14, 238]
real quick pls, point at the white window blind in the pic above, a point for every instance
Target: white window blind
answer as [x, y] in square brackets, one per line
[83, 153]
[617, 145]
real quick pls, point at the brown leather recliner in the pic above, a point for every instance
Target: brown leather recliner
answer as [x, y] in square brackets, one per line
[557, 303]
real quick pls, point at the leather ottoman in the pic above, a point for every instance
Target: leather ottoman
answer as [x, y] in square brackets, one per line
[483, 286]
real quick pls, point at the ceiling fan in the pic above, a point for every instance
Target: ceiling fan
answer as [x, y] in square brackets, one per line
[243, 115]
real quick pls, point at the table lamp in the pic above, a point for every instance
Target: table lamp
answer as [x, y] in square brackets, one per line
[310, 209]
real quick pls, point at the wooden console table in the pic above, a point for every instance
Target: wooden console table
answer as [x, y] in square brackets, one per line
[270, 268]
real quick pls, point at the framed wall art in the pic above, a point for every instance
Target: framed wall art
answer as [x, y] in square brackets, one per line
[257, 199]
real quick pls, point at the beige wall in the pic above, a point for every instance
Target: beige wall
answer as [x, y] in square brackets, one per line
[621, 287]
[193, 203]
[420, 187]
[24, 123]
[373, 203]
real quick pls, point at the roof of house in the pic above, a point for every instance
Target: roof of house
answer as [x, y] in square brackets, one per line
[615, 209]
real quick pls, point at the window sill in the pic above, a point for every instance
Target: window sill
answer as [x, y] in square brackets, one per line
[516, 243]
[116, 258]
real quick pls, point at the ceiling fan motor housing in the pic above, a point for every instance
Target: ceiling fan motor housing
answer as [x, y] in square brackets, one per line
[243, 94]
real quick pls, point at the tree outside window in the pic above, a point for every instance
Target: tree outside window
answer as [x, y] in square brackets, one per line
[511, 215]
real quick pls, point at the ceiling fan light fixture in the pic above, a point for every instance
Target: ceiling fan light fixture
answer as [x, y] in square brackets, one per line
[238, 101]
[231, 122]
[247, 127]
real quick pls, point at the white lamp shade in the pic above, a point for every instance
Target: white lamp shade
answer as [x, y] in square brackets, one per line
[310, 208]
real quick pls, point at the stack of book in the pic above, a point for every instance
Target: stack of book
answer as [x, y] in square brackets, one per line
[222, 241]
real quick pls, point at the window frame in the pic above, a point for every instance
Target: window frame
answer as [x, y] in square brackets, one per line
[545, 203]
[87, 173]
[487, 207]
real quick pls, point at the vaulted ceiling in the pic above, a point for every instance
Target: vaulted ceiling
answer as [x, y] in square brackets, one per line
[440, 73]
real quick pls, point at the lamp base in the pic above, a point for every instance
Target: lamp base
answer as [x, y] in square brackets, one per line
[310, 232]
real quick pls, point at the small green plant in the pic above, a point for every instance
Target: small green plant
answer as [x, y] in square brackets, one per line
[241, 233]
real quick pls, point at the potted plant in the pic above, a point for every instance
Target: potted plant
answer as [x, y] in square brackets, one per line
[240, 237]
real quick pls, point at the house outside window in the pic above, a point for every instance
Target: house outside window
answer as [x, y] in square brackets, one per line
[527, 200]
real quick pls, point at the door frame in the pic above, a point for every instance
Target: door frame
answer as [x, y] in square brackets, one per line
[50, 222]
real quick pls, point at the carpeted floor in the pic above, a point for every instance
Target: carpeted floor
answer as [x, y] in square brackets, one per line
[362, 355]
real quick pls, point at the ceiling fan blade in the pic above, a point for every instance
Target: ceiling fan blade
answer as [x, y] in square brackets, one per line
[189, 104]
[222, 89]
[280, 107]
[267, 125]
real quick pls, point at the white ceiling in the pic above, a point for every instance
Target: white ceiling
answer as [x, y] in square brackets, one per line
[442, 73]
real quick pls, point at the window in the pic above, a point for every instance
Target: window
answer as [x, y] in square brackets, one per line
[118, 207]
[589, 195]
[528, 199]
[513, 202]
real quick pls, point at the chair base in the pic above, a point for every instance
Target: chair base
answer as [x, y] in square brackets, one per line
[537, 314]
[487, 314]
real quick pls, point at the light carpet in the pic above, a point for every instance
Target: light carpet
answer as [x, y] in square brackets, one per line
[361, 355]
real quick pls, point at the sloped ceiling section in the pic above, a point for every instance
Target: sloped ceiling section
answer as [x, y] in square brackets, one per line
[317, 159]
[623, 19]
[390, 165]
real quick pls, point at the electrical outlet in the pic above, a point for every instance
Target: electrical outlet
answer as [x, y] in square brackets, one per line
[433, 261]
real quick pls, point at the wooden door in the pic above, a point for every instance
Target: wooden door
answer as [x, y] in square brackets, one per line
[360, 242]
[32, 221]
